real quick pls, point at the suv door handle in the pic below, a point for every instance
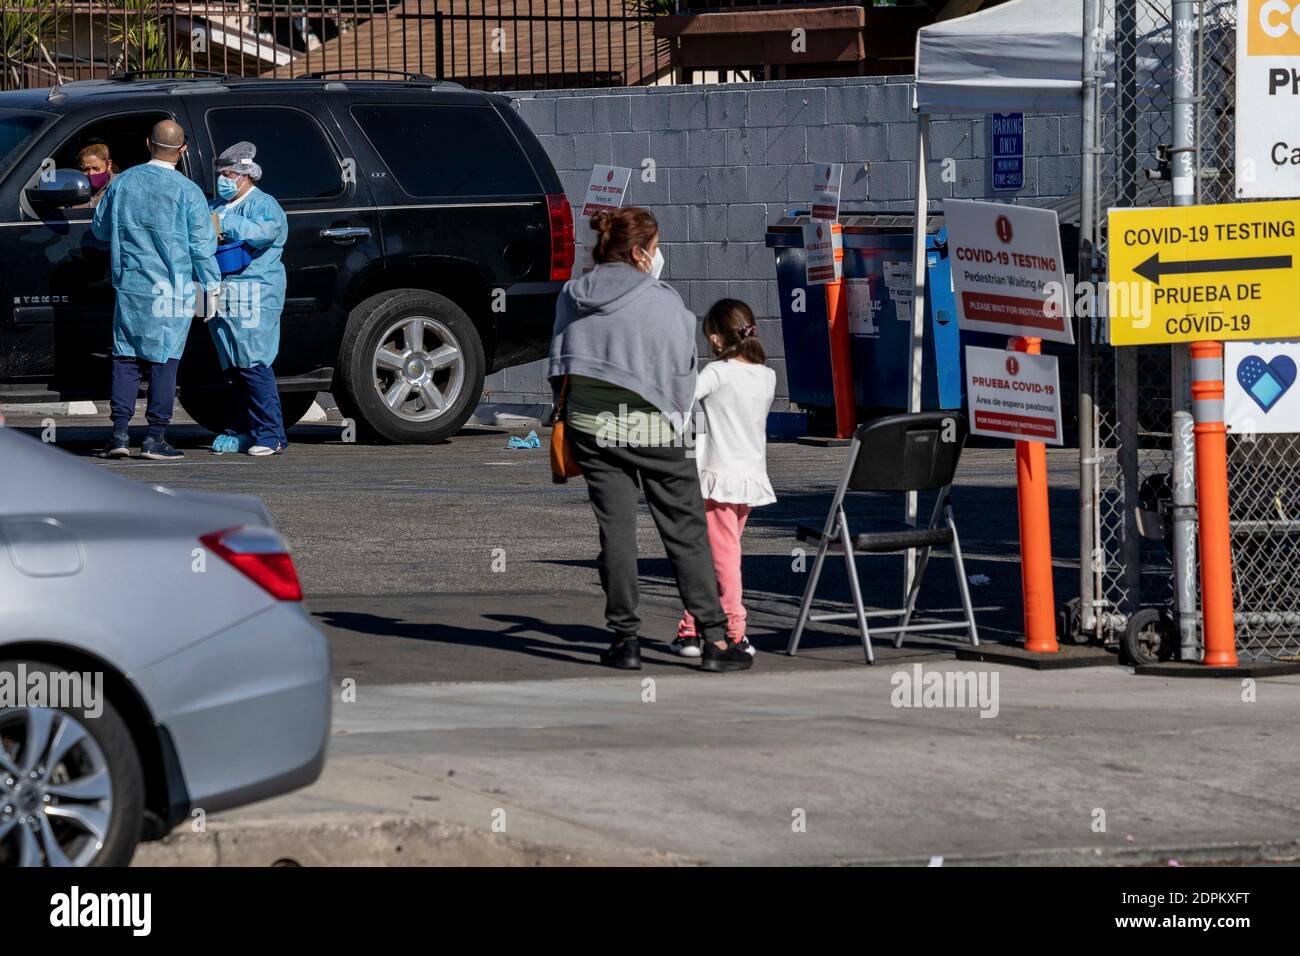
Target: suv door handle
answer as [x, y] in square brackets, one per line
[346, 233]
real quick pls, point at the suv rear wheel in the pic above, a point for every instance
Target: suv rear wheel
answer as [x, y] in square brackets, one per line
[411, 367]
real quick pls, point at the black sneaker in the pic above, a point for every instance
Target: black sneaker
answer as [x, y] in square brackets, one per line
[157, 449]
[624, 654]
[732, 659]
[119, 446]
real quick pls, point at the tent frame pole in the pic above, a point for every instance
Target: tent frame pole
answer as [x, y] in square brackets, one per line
[1089, 565]
[919, 277]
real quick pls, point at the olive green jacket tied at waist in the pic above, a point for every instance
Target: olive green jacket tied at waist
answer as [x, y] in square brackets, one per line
[619, 325]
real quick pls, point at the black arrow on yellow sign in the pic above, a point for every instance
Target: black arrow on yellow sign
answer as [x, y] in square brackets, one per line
[1153, 268]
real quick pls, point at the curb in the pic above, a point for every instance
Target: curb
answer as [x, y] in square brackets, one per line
[364, 840]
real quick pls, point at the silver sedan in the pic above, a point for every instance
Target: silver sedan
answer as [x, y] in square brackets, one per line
[155, 659]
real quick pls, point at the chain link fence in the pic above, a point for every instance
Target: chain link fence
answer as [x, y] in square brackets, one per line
[1133, 386]
[1263, 470]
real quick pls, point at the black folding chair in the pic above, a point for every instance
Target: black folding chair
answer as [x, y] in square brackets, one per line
[899, 453]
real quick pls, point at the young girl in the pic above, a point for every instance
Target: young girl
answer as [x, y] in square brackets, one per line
[735, 392]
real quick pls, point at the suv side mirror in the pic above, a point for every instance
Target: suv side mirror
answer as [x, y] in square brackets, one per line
[68, 187]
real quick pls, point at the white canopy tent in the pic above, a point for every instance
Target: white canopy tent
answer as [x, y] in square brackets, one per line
[1020, 56]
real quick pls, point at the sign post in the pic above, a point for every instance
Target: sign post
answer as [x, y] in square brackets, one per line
[1008, 277]
[823, 245]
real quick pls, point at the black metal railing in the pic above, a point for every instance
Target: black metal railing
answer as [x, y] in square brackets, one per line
[487, 44]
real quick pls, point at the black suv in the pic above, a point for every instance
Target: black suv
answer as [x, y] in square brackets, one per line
[428, 238]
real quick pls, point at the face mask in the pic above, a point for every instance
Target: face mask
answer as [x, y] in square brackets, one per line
[656, 262]
[226, 187]
[97, 180]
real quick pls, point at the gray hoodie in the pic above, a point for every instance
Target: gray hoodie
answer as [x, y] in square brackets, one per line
[619, 325]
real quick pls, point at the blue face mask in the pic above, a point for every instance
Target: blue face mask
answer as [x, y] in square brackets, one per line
[226, 187]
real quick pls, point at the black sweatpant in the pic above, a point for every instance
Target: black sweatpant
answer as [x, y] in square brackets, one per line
[672, 490]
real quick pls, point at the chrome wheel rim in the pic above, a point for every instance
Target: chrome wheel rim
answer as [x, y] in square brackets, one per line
[419, 368]
[56, 790]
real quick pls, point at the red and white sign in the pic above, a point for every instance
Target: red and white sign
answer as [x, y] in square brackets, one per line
[1013, 395]
[826, 190]
[823, 253]
[1007, 271]
[607, 189]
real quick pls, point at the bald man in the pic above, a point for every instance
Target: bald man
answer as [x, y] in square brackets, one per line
[163, 243]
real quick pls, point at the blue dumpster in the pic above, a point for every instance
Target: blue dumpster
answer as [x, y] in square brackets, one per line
[878, 290]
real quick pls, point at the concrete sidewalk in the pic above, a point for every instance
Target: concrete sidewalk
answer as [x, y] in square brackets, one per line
[718, 769]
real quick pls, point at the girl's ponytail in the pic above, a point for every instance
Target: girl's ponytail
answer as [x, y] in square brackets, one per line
[733, 322]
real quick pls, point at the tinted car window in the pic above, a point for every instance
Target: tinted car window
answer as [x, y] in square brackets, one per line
[297, 160]
[15, 129]
[447, 150]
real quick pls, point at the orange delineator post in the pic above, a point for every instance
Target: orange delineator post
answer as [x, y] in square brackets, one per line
[837, 318]
[1035, 534]
[1212, 504]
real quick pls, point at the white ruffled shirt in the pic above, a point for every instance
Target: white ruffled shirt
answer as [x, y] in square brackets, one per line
[731, 454]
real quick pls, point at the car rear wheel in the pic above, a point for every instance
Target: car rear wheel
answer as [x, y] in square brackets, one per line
[411, 367]
[210, 407]
[71, 787]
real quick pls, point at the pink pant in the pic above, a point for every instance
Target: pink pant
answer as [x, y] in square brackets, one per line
[726, 525]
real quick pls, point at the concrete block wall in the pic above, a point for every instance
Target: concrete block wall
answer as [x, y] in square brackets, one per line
[729, 159]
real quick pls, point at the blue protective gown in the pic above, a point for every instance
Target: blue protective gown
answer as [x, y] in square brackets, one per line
[156, 221]
[246, 329]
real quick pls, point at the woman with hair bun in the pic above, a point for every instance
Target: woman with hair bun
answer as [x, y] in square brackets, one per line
[622, 368]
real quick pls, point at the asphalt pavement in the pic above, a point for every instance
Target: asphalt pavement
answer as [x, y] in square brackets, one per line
[458, 588]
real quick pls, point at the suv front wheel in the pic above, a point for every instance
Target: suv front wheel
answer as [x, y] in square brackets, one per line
[411, 367]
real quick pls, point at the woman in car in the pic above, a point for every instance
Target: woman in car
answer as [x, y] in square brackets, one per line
[623, 367]
[95, 161]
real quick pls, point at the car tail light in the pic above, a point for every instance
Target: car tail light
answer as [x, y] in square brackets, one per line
[562, 236]
[261, 555]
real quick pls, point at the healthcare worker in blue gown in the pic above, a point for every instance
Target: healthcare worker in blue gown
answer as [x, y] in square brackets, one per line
[162, 241]
[246, 328]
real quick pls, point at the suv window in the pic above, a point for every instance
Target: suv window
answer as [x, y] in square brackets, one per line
[297, 159]
[16, 128]
[126, 137]
[436, 150]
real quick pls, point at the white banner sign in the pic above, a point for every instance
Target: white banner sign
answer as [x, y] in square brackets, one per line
[1006, 263]
[1268, 99]
[1013, 395]
[607, 189]
[820, 243]
[826, 190]
[1260, 392]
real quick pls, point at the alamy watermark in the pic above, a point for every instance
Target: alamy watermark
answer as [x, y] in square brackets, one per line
[946, 689]
[68, 690]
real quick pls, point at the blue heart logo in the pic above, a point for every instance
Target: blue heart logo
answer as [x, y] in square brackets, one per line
[1266, 382]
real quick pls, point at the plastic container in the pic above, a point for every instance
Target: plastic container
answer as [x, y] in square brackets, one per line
[233, 257]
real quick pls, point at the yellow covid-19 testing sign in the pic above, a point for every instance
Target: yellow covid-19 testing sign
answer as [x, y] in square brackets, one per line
[1204, 273]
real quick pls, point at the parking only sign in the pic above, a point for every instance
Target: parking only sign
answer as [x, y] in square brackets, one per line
[607, 189]
[1013, 395]
[1268, 99]
[826, 190]
[1007, 150]
[822, 253]
[1200, 273]
[1260, 393]
[1007, 273]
